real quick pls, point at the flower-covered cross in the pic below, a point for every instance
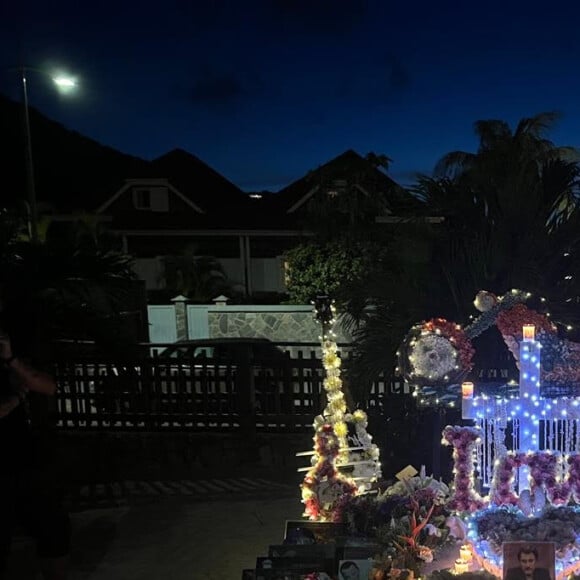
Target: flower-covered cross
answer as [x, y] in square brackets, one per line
[528, 409]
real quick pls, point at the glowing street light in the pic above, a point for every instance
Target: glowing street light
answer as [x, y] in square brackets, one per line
[65, 82]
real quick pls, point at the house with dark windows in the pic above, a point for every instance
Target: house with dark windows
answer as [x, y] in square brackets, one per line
[176, 209]
[183, 205]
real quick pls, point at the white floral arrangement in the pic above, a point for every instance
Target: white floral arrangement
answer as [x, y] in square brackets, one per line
[433, 356]
[410, 486]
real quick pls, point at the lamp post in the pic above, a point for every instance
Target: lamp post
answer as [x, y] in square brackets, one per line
[64, 84]
[30, 185]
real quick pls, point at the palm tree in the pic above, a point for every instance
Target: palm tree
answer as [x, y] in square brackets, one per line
[68, 285]
[510, 211]
[200, 278]
[510, 221]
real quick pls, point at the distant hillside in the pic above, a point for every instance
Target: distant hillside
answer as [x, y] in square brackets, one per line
[71, 171]
[75, 172]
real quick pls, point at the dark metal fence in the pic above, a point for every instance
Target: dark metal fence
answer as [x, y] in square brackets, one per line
[202, 394]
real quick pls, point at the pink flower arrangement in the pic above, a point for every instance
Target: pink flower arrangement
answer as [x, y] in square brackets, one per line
[544, 467]
[425, 554]
[324, 475]
[502, 485]
[574, 476]
[463, 440]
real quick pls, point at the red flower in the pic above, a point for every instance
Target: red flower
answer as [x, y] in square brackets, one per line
[510, 322]
[456, 336]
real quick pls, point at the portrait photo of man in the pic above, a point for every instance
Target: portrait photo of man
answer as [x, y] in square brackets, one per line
[529, 561]
[356, 569]
[349, 570]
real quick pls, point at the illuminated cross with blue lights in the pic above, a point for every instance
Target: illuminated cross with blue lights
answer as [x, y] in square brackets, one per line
[529, 408]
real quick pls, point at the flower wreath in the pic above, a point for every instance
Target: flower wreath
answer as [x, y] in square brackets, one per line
[324, 476]
[435, 334]
[457, 337]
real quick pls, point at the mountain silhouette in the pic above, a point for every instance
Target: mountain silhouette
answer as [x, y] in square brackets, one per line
[74, 172]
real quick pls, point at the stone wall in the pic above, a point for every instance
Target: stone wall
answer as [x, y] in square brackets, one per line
[278, 323]
[276, 326]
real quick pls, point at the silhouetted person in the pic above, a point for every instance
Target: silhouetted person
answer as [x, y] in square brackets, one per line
[26, 500]
[528, 558]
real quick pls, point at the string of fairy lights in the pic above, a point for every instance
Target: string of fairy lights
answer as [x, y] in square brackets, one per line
[335, 410]
[507, 301]
[429, 356]
[324, 487]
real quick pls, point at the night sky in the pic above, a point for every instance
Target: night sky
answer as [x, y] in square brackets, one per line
[263, 91]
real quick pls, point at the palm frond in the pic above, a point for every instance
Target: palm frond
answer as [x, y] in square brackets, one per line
[538, 125]
[561, 191]
[454, 164]
[491, 132]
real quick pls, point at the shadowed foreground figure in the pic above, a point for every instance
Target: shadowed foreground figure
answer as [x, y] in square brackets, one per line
[27, 499]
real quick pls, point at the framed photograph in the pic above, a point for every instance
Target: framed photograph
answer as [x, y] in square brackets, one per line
[281, 575]
[326, 553]
[290, 564]
[307, 532]
[286, 568]
[360, 552]
[302, 551]
[529, 561]
[354, 569]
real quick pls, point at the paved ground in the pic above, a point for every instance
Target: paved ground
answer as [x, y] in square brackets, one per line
[118, 494]
[188, 530]
[194, 530]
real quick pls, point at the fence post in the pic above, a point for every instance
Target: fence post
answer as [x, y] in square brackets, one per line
[247, 395]
[180, 305]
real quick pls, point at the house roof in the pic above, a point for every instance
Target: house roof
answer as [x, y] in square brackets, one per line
[197, 180]
[74, 172]
[189, 178]
[353, 169]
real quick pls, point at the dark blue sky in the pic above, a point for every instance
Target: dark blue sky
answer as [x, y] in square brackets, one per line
[265, 90]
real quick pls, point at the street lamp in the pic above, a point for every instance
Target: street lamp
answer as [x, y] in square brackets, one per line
[65, 84]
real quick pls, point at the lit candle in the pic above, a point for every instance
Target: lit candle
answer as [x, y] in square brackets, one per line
[529, 331]
[465, 553]
[467, 390]
[461, 566]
